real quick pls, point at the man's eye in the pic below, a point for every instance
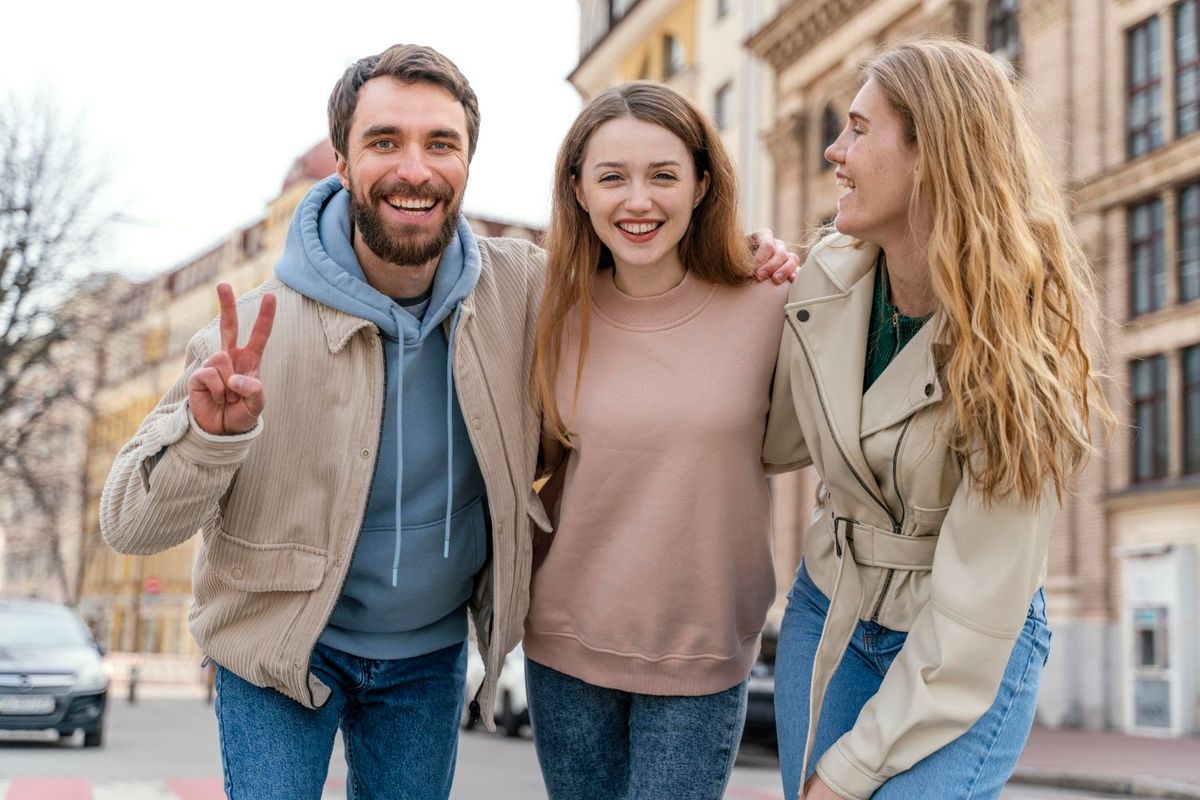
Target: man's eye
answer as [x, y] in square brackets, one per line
[443, 146]
[383, 144]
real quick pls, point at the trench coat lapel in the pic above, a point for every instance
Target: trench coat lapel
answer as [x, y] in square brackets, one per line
[907, 385]
[832, 326]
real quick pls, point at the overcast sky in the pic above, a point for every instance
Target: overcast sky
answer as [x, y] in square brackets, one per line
[199, 110]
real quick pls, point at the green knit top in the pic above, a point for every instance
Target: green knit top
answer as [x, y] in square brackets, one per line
[889, 330]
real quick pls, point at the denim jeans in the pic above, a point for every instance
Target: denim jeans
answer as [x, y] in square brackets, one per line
[595, 743]
[399, 720]
[975, 765]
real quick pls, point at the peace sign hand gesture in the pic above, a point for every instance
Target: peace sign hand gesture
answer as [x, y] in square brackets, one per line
[225, 395]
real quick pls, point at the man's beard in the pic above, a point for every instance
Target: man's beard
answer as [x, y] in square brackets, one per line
[408, 246]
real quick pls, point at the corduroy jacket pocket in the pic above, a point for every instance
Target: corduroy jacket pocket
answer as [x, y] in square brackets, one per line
[253, 567]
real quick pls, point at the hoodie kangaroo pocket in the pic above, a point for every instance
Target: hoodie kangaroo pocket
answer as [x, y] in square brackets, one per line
[430, 580]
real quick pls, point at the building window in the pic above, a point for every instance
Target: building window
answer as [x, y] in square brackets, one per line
[1189, 243]
[831, 128]
[1144, 110]
[1147, 278]
[1187, 67]
[1003, 35]
[673, 61]
[723, 107]
[1149, 382]
[1191, 409]
[723, 8]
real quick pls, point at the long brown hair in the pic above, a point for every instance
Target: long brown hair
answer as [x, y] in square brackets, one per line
[714, 249]
[1007, 270]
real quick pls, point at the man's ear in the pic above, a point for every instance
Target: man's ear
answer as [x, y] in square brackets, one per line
[701, 188]
[343, 171]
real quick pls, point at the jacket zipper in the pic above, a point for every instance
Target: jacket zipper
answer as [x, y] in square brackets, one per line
[366, 504]
[891, 573]
[825, 412]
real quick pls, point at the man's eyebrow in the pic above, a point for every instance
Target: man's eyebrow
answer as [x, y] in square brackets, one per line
[392, 130]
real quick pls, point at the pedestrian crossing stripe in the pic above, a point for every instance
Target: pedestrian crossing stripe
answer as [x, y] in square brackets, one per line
[169, 789]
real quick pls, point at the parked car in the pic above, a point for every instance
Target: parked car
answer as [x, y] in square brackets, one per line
[760, 702]
[512, 705]
[52, 675]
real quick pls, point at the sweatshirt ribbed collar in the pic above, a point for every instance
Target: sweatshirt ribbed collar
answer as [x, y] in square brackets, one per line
[657, 312]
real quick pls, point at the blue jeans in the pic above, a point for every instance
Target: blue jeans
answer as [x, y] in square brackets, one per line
[595, 743]
[399, 721]
[975, 765]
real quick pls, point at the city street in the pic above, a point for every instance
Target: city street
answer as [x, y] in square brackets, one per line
[166, 749]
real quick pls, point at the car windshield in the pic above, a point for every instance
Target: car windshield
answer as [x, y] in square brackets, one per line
[40, 628]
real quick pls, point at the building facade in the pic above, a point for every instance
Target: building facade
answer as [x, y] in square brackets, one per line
[141, 603]
[1115, 90]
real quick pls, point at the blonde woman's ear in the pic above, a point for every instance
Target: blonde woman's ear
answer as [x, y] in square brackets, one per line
[579, 197]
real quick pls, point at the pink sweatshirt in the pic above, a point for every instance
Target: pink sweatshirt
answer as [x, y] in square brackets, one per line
[659, 576]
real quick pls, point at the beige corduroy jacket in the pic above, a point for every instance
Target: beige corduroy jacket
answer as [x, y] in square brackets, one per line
[280, 507]
[899, 536]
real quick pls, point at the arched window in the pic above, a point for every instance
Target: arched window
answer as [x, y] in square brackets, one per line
[1003, 34]
[831, 128]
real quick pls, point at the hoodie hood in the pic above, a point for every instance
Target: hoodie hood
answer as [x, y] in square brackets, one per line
[319, 262]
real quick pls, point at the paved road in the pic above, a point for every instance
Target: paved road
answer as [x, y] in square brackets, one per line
[166, 749]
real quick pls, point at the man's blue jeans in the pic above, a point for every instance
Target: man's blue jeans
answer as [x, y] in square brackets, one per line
[399, 720]
[595, 743]
[975, 765]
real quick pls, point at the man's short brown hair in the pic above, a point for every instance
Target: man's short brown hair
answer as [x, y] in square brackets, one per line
[410, 63]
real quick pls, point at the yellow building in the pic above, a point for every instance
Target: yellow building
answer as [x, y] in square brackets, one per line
[141, 604]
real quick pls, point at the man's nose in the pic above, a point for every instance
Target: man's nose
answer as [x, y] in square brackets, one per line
[410, 165]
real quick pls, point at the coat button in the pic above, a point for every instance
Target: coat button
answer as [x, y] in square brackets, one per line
[365, 453]
[802, 315]
[236, 573]
[929, 390]
[476, 421]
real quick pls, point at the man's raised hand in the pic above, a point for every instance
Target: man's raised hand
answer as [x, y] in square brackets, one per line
[225, 394]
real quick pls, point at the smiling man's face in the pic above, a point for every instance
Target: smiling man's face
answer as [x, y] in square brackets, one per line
[406, 169]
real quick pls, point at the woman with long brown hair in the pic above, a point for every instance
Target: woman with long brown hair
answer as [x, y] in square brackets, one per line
[934, 368]
[653, 365]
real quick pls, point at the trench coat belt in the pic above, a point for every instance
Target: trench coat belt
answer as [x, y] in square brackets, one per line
[856, 544]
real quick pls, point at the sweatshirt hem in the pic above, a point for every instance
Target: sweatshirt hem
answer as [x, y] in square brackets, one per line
[674, 675]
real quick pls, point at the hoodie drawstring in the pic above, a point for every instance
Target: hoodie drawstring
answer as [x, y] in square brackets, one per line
[449, 445]
[450, 430]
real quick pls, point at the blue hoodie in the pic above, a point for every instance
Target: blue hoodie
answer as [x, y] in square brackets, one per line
[413, 566]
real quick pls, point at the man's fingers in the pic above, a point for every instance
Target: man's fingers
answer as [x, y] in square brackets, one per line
[207, 379]
[223, 364]
[250, 390]
[229, 320]
[262, 326]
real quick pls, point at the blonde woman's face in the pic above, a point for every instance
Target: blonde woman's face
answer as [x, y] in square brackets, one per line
[638, 185]
[876, 170]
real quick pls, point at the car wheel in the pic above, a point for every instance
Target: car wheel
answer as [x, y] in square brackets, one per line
[93, 737]
[509, 721]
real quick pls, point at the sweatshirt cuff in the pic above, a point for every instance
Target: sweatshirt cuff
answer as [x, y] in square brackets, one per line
[204, 449]
[845, 776]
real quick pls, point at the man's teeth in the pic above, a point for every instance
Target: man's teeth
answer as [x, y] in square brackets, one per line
[845, 183]
[410, 203]
[638, 228]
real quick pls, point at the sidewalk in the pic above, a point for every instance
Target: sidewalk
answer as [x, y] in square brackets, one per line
[1112, 762]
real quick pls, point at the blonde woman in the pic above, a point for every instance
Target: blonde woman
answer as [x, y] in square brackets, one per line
[934, 370]
[653, 364]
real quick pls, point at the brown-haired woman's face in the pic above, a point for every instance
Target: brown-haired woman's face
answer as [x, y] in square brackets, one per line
[876, 168]
[638, 185]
